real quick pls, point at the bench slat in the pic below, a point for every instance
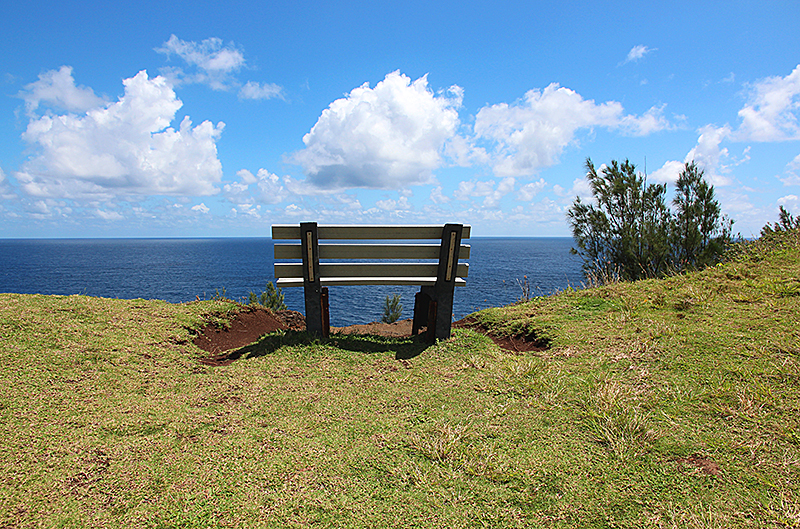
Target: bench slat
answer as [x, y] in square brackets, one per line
[368, 251]
[340, 281]
[292, 231]
[295, 270]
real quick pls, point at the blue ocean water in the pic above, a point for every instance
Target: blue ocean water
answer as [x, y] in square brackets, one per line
[180, 270]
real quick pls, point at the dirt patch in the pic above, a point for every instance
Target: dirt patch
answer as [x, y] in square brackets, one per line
[518, 343]
[245, 328]
[252, 323]
[398, 328]
[704, 465]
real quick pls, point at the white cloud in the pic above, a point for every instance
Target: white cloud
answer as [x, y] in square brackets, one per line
[108, 215]
[271, 191]
[387, 137]
[580, 188]
[532, 134]
[57, 88]
[5, 190]
[791, 176]
[394, 205]
[126, 147]
[486, 190]
[437, 197]
[651, 121]
[668, 173]
[530, 190]
[637, 53]
[253, 90]
[771, 113]
[201, 208]
[215, 63]
[246, 176]
[473, 189]
[505, 187]
[710, 156]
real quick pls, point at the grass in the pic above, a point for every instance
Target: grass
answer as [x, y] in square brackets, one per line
[669, 403]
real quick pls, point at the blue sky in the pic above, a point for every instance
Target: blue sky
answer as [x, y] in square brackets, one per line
[220, 119]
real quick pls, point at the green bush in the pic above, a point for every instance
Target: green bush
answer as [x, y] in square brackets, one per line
[271, 298]
[392, 309]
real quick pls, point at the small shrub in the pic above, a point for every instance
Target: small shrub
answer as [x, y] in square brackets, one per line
[392, 309]
[271, 298]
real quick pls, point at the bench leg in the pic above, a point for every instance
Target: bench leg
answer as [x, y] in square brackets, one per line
[326, 313]
[425, 314]
[317, 311]
[421, 302]
[433, 309]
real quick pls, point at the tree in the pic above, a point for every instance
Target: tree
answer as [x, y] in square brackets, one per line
[627, 231]
[700, 233]
[630, 232]
[786, 222]
[271, 298]
[392, 309]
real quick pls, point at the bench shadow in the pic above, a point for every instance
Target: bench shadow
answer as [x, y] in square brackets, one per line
[403, 347]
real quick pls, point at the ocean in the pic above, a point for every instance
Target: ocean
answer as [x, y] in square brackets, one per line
[181, 270]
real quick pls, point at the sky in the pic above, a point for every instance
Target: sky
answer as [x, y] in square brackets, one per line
[212, 119]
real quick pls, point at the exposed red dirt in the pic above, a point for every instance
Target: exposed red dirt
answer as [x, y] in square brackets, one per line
[398, 328]
[518, 343]
[252, 323]
[245, 328]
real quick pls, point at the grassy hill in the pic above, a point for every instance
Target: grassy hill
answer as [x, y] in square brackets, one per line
[670, 403]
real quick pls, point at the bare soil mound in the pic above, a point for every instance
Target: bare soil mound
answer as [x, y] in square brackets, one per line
[245, 328]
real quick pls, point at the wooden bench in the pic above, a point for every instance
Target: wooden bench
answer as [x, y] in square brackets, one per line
[435, 267]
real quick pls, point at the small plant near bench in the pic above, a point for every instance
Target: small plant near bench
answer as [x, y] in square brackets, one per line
[271, 298]
[392, 309]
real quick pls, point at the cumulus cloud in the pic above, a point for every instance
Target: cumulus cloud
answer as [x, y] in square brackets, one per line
[709, 154]
[201, 208]
[667, 173]
[126, 147]
[531, 134]
[637, 53]
[56, 88]
[771, 112]
[387, 137]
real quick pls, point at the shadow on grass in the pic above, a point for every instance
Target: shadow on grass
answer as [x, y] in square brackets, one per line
[403, 347]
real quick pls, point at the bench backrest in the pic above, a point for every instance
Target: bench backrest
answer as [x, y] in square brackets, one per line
[434, 261]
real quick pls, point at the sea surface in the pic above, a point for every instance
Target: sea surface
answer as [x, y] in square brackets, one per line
[181, 270]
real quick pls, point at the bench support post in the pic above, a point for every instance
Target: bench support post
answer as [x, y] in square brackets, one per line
[433, 306]
[316, 297]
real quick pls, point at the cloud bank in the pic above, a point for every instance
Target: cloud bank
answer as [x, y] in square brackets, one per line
[126, 147]
[531, 134]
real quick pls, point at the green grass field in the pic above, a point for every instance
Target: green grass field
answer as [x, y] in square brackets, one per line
[661, 403]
